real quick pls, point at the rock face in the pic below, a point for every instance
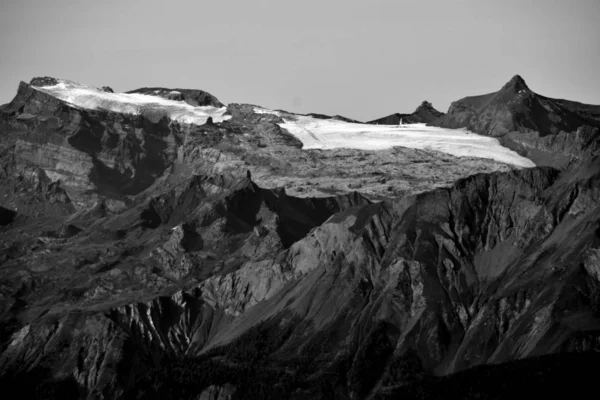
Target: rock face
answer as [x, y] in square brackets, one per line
[425, 113]
[192, 274]
[93, 153]
[548, 131]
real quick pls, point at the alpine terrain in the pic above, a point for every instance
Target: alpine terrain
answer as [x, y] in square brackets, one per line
[160, 244]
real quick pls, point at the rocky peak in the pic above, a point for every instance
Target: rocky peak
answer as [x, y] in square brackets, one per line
[515, 85]
[427, 106]
[426, 112]
[523, 119]
[424, 105]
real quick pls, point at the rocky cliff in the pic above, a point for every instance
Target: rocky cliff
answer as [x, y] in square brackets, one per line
[92, 152]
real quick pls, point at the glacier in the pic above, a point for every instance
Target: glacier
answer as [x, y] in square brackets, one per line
[325, 134]
[92, 98]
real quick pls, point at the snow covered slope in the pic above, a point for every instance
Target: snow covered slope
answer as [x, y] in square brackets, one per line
[330, 134]
[133, 103]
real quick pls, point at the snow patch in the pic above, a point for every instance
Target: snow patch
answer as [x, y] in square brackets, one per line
[91, 98]
[265, 111]
[331, 134]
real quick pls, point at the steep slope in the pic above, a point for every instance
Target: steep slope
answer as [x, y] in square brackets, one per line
[499, 268]
[425, 113]
[94, 265]
[548, 131]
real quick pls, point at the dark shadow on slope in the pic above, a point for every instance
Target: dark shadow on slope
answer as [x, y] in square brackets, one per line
[7, 216]
[39, 384]
[571, 375]
[241, 209]
[297, 216]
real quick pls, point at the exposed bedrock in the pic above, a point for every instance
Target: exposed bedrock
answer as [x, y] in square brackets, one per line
[99, 152]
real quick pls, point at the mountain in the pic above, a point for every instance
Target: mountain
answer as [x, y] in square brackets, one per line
[423, 114]
[548, 131]
[94, 144]
[154, 248]
[94, 148]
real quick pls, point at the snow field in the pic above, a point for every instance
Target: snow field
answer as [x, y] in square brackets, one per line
[132, 103]
[331, 134]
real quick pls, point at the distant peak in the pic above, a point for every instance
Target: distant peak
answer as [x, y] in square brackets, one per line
[427, 107]
[423, 105]
[516, 83]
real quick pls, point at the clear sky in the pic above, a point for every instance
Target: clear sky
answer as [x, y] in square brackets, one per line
[361, 59]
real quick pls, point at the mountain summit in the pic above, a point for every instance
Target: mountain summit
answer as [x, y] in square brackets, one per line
[516, 84]
[548, 131]
[516, 108]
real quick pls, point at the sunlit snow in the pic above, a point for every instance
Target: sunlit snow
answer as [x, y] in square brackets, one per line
[266, 111]
[331, 134]
[133, 103]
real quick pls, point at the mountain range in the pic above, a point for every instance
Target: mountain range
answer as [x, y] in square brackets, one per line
[162, 244]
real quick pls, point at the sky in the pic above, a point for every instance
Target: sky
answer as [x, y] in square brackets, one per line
[360, 59]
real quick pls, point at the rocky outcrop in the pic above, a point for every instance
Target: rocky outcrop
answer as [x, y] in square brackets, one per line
[425, 113]
[43, 81]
